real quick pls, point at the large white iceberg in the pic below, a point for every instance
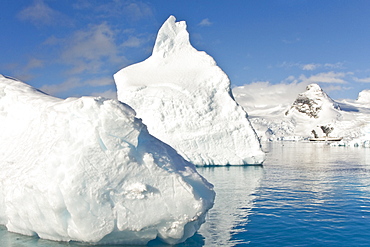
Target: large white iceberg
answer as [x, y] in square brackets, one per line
[85, 169]
[185, 100]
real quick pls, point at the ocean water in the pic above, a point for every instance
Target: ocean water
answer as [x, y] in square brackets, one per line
[305, 194]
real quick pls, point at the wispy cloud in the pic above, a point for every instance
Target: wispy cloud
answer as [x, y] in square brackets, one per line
[332, 88]
[363, 80]
[265, 94]
[133, 41]
[312, 66]
[89, 50]
[205, 23]
[54, 89]
[41, 14]
[326, 77]
[34, 63]
[286, 64]
[133, 9]
[110, 94]
[24, 71]
[76, 82]
[291, 41]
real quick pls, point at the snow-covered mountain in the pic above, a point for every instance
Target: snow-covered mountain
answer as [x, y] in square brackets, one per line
[314, 103]
[185, 100]
[311, 113]
[85, 169]
[313, 110]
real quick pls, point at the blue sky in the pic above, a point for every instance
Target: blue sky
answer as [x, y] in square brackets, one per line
[73, 47]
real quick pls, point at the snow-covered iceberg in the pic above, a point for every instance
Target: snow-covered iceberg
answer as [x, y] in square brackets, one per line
[185, 100]
[85, 169]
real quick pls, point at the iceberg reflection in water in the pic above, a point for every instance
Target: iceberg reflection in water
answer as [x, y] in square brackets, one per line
[235, 188]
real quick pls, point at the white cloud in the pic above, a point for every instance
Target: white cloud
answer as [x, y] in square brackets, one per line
[54, 89]
[338, 65]
[310, 66]
[136, 9]
[363, 80]
[41, 14]
[331, 88]
[23, 71]
[110, 94]
[133, 9]
[89, 50]
[98, 82]
[205, 23]
[133, 41]
[52, 40]
[326, 77]
[34, 63]
[76, 82]
[314, 66]
[289, 65]
[264, 94]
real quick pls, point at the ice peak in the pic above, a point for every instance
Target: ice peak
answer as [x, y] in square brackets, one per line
[314, 88]
[312, 101]
[185, 98]
[315, 92]
[172, 36]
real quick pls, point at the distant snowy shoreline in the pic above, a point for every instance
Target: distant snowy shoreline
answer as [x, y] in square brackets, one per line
[283, 117]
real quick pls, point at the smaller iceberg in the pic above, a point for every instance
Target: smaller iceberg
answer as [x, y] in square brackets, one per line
[185, 100]
[86, 169]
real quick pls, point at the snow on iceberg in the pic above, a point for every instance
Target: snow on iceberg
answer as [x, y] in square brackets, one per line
[185, 100]
[85, 169]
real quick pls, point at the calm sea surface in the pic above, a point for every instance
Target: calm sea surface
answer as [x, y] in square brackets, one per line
[305, 194]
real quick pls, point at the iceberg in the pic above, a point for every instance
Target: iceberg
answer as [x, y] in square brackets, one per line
[86, 169]
[185, 100]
